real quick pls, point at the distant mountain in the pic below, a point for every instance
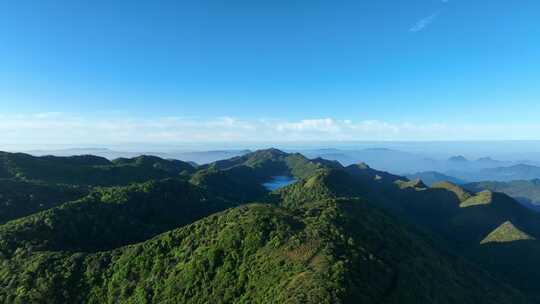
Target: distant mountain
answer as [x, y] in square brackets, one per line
[515, 172]
[458, 159]
[382, 158]
[433, 177]
[199, 157]
[102, 152]
[205, 157]
[401, 162]
[526, 192]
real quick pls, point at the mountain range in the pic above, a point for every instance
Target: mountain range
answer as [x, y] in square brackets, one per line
[457, 168]
[197, 157]
[504, 174]
[150, 230]
[403, 162]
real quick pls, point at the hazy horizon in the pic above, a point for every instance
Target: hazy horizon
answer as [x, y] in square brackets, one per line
[501, 150]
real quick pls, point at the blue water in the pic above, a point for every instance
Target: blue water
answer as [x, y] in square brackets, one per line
[278, 182]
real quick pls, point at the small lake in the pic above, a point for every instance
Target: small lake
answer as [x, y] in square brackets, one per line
[279, 182]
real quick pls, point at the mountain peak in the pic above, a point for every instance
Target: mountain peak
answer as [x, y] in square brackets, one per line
[273, 152]
[362, 165]
[458, 158]
[506, 232]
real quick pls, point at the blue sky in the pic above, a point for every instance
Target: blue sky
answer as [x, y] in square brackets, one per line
[166, 71]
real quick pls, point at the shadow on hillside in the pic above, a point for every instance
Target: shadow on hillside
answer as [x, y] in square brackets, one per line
[512, 262]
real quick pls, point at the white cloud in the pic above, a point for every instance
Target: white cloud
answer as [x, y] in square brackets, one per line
[424, 22]
[326, 125]
[62, 129]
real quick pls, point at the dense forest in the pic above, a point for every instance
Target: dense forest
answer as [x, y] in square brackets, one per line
[84, 229]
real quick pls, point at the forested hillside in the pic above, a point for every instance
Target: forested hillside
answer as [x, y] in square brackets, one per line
[89, 170]
[148, 230]
[19, 198]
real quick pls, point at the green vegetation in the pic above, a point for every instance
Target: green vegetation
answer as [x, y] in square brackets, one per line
[22, 198]
[273, 162]
[161, 231]
[332, 252]
[89, 170]
[325, 184]
[417, 184]
[110, 217]
[480, 198]
[238, 183]
[460, 219]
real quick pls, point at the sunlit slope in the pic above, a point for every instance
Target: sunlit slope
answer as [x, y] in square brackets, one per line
[336, 251]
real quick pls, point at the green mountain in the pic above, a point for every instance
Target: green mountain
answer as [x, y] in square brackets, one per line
[526, 192]
[338, 235]
[461, 220]
[273, 162]
[21, 198]
[110, 217]
[239, 183]
[337, 251]
[89, 170]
